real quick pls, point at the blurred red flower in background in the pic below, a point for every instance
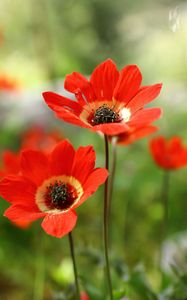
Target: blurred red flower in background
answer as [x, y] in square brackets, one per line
[84, 296]
[37, 138]
[8, 84]
[135, 133]
[34, 138]
[52, 186]
[169, 154]
[110, 102]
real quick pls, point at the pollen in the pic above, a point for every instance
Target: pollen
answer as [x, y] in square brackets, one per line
[105, 114]
[60, 195]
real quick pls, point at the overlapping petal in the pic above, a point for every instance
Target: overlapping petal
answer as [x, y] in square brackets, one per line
[135, 134]
[15, 211]
[114, 129]
[71, 118]
[145, 116]
[60, 224]
[76, 83]
[143, 97]
[57, 102]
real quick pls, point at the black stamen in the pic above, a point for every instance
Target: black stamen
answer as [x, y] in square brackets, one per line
[60, 195]
[104, 114]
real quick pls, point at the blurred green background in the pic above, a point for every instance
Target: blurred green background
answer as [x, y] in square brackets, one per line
[40, 42]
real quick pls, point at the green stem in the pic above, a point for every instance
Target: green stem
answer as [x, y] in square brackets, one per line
[71, 244]
[38, 290]
[165, 202]
[112, 174]
[105, 218]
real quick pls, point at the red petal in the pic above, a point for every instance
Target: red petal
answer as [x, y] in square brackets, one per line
[111, 128]
[144, 116]
[126, 139]
[69, 117]
[175, 144]
[59, 224]
[104, 79]
[3, 173]
[16, 189]
[76, 82]
[11, 162]
[157, 143]
[34, 165]
[128, 84]
[61, 159]
[96, 178]
[183, 160]
[158, 149]
[17, 212]
[55, 101]
[143, 97]
[84, 162]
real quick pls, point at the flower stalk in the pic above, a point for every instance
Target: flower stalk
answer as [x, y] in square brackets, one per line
[39, 279]
[71, 244]
[106, 220]
[113, 171]
[165, 202]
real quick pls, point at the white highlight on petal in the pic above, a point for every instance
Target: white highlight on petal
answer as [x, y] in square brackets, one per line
[125, 113]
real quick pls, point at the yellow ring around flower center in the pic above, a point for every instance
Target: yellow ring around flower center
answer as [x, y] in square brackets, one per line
[41, 192]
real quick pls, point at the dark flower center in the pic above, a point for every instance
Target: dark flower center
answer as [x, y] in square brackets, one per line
[105, 114]
[60, 195]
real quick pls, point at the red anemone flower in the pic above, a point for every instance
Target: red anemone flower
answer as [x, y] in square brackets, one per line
[36, 138]
[169, 154]
[52, 186]
[110, 102]
[135, 133]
